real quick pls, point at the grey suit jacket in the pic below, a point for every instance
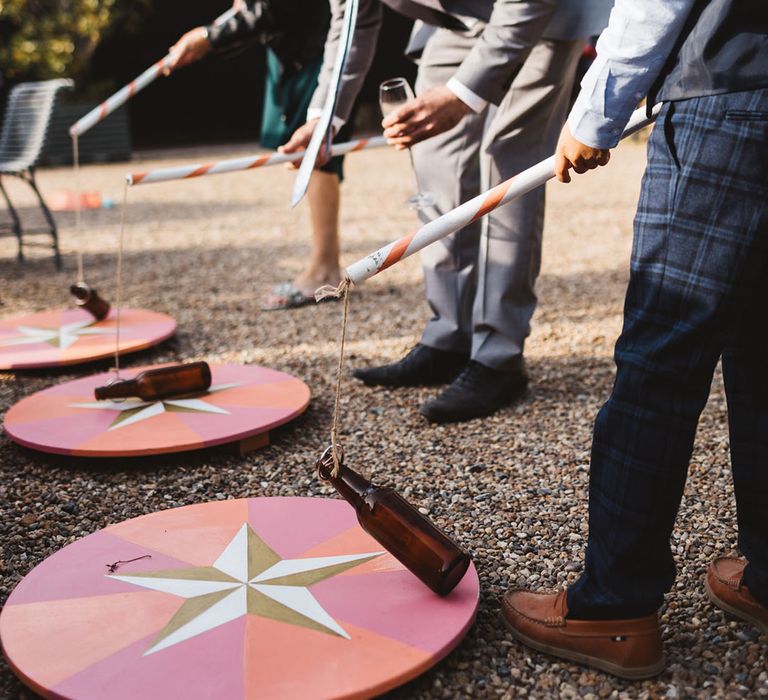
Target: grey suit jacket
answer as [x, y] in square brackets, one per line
[511, 28]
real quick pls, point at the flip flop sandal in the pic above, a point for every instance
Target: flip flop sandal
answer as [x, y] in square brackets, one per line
[285, 296]
[288, 296]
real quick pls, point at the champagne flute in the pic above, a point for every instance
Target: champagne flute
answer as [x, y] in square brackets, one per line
[393, 94]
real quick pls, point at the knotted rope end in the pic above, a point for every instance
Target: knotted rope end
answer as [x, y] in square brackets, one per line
[327, 291]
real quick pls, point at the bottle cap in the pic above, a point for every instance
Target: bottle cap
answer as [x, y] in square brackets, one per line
[99, 391]
[82, 293]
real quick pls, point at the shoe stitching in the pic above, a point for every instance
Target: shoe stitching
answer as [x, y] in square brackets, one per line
[550, 621]
[542, 623]
[561, 622]
[556, 620]
[721, 559]
[731, 582]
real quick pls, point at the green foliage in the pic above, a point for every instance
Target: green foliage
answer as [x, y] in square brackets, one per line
[42, 39]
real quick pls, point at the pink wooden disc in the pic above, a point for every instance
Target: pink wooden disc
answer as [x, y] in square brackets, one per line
[253, 598]
[73, 336]
[243, 401]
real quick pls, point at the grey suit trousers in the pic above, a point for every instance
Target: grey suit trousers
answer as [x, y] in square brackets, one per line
[480, 281]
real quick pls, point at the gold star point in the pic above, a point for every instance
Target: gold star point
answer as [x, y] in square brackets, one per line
[248, 578]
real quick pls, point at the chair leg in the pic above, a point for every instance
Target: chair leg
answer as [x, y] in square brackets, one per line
[16, 221]
[49, 218]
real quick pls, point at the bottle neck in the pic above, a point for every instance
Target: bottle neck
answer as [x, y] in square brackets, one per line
[118, 390]
[81, 292]
[351, 485]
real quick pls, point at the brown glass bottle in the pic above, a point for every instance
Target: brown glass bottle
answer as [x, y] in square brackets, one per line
[87, 298]
[426, 551]
[161, 383]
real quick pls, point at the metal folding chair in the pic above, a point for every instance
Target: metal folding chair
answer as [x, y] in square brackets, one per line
[25, 126]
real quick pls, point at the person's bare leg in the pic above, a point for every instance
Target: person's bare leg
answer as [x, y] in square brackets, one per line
[323, 267]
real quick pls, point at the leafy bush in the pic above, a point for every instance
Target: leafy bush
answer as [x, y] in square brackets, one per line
[42, 39]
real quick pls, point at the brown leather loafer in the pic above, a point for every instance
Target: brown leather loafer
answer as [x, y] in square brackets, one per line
[725, 590]
[626, 648]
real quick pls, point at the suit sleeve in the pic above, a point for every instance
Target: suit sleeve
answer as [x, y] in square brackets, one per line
[250, 25]
[359, 59]
[512, 30]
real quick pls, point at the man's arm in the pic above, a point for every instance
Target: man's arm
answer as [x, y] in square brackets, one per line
[512, 30]
[356, 68]
[484, 76]
[359, 59]
[248, 25]
[252, 23]
[631, 53]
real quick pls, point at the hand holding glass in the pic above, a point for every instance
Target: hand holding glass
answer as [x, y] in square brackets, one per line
[393, 94]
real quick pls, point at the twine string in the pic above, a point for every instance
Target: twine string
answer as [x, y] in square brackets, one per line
[78, 203]
[342, 289]
[114, 566]
[119, 281]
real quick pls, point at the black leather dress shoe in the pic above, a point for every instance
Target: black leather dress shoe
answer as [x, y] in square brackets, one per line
[422, 366]
[477, 391]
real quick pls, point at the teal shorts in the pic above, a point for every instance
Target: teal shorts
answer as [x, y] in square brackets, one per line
[286, 101]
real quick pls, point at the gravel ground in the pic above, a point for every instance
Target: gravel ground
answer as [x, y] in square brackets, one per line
[511, 487]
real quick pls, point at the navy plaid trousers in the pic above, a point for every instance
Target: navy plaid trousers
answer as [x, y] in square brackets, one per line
[698, 292]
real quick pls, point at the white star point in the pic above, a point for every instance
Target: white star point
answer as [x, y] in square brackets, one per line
[62, 337]
[146, 409]
[217, 594]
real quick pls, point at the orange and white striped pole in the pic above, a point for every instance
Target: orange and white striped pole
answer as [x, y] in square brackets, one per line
[184, 172]
[126, 92]
[472, 210]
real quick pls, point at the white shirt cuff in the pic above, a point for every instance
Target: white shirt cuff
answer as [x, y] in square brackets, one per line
[317, 112]
[593, 129]
[476, 103]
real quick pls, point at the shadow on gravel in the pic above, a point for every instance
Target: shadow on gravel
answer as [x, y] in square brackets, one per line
[233, 273]
[138, 212]
[219, 456]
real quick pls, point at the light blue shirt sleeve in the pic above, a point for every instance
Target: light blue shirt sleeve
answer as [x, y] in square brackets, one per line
[578, 19]
[630, 55]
